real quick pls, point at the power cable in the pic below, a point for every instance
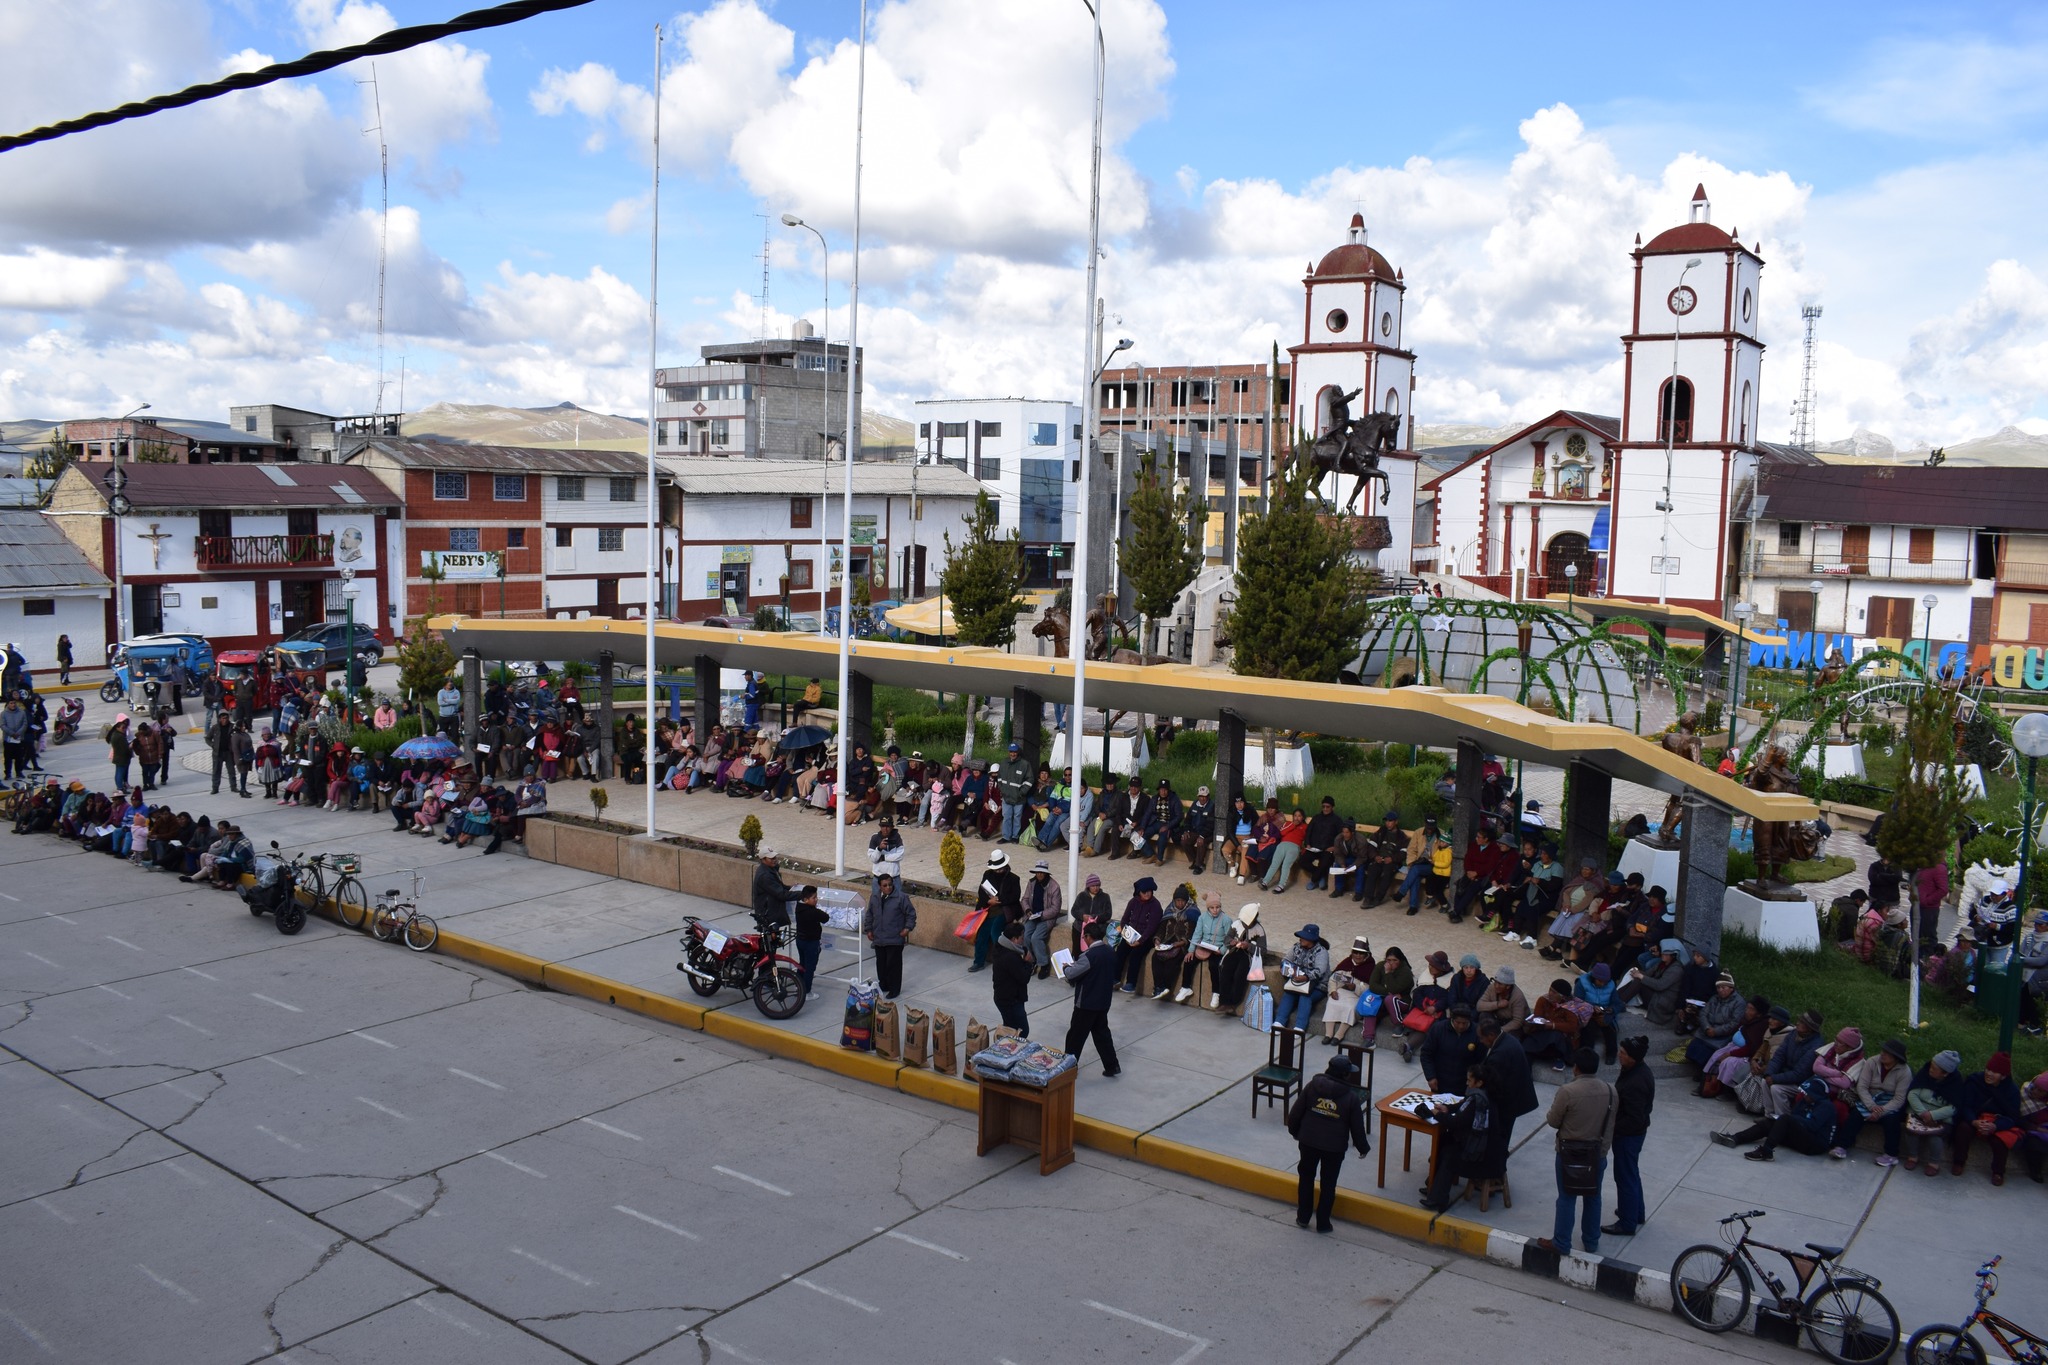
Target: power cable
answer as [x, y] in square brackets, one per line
[397, 40]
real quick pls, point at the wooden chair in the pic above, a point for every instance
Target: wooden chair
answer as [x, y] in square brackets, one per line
[1279, 1080]
[1362, 1057]
[1486, 1189]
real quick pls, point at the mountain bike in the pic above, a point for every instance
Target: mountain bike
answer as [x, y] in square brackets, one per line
[351, 902]
[1940, 1344]
[399, 917]
[1844, 1315]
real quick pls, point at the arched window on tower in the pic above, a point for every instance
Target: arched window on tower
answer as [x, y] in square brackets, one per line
[1393, 404]
[1745, 412]
[1674, 420]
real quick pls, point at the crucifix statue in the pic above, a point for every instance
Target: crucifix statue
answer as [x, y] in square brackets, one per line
[156, 536]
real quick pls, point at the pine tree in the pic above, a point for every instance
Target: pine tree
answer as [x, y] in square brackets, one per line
[1301, 597]
[1165, 548]
[1920, 825]
[981, 579]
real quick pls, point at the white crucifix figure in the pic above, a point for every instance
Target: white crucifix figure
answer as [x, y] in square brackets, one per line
[156, 536]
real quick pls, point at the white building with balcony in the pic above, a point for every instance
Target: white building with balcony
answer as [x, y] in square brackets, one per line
[1026, 452]
[757, 400]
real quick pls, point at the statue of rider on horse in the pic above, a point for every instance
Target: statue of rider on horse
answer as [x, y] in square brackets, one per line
[1354, 445]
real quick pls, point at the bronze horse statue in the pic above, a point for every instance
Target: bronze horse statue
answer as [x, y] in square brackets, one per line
[1354, 445]
[1055, 625]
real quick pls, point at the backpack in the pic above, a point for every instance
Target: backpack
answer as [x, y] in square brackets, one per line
[1258, 1009]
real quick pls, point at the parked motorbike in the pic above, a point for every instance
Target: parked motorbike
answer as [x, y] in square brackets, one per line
[276, 892]
[64, 725]
[752, 963]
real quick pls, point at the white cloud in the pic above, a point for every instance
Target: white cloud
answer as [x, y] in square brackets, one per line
[1944, 87]
[430, 95]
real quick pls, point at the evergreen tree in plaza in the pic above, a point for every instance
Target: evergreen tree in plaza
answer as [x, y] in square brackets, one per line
[1301, 597]
[1165, 548]
[1920, 825]
[982, 576]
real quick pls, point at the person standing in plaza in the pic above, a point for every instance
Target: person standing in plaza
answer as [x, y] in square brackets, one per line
[1011, 975]
[1014, 779]
[1637, 1092]
[1583, 1113]
[1043, 906]
[1327, 1117]
[64, 660]
[119, 752]
[1093, 976]
[889, 920]
[810, 937]
[1000, 900]
[14, 731]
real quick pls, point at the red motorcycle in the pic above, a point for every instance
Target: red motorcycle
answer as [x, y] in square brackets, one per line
[754, 964]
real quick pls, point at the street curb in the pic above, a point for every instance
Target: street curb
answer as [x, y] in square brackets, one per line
[1603, 1275]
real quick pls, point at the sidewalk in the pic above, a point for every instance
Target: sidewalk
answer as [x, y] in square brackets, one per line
[1186, 1070]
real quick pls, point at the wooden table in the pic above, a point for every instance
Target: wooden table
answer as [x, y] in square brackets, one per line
[1034, 1117]
[1391, 1117]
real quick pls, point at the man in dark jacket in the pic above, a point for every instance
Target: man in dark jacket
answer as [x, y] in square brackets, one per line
[1792, 1062]
[1112, 808]
[1327, 1116]
[771, 896]
[1807, 1125]
[1384, 856]
[1507, 1076]
[1451, 1045]
[1012, 976]
[888, 921]
[1093, 976]
[1637, 1092]
[1320, 843]
[1001, 897]
[1093, 903]
[810, 936]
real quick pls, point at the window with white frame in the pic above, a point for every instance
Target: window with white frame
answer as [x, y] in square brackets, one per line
[508, 488]
[611, 538]
[1045, 433]
[450, 485]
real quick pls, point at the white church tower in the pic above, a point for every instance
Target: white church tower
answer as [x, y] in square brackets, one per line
[1351, 339]
[1689, 414]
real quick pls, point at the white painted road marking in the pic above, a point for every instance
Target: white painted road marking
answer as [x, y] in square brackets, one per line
[645, 1218]
[563, 1271]
[735, 1352]
[47, 1207]
[31, 1333]
[1201, 1344]
[472, 1076]
[382, 1108]
[177, 1089]
[738, 1175]
[184, 1294]
[103, 1051]
[189, 1024]
[201, 975]
[449, 1318]
[513, 1164]
[175, 1169]
[116, 994]
[280, 1137]
[40, 958]
[47, 914]
[370, 1039]
[286, 1065]
[847, 1299]
[619, 1132]
[122, 941]
[279, 1003]
[928, 1246]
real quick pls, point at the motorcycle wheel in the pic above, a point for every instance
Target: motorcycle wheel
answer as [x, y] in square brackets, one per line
[110, 691]
[290, 919]
[704, 963]
[779, 993]
[256, 909]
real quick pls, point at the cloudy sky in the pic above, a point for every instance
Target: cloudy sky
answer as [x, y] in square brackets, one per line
[1892, 160]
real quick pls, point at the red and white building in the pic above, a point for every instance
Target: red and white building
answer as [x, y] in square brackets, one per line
[1648, 505]
[243, 554]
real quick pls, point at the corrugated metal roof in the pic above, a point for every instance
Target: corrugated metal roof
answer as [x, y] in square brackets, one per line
[505, 459]
[711, 476]
[35, 554]
[1913, 495]
[243, 485]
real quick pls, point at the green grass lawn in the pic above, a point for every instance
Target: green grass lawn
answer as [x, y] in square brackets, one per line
[1845, 991]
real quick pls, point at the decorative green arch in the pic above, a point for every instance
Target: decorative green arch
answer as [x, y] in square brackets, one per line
[1824, 708]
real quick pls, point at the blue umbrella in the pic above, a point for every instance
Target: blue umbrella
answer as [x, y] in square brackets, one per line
[432, 748]
[803, 737]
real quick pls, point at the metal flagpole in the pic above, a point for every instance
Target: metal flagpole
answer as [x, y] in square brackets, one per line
[653, 407]
[1077, 597]
[852, 443]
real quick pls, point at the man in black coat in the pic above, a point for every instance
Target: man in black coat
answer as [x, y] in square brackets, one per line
[1636, 1090]
[1507, 1076]
[772, 896]
[1093, 977]
[1384, 854]
[1320, 843]
[1327, 1116]
[1451, 1045]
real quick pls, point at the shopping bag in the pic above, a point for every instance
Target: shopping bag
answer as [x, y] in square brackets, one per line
[1418, 1020]
[1258, 1009]
[888, 1031]
[1368, 1004]
[1257, 971]
[945, 1050]
[858, 1032]
[970, 925]
[917, 1037]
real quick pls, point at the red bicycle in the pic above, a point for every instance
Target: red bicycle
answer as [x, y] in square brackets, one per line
[751, 963]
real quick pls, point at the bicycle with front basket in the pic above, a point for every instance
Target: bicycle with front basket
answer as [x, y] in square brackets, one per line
[1941, 1344]
[1842, 1311]
[351, 902]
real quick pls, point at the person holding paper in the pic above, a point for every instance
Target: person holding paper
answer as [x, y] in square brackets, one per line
[1094, 978]
[1012, 968]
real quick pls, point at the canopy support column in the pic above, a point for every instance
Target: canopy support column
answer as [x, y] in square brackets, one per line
[1703, 873]
[1467, 779]
[604, 714]
[1028, 711]
[1589, 797]
[1229, 770]
[706, 701]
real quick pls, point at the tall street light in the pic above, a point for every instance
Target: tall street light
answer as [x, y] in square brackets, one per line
[851, 442]
[653, 417]
[2030, 737]
[1681, 302]
[1928, 604]
[825, 433]
[1077, 613]
[1742, 612]
[117, 503]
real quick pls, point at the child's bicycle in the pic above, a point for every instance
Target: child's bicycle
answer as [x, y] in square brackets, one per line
[398, 917]
[1844, 1315]
[1941, 1344]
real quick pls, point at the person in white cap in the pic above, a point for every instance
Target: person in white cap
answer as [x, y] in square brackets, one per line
[772, 896]
[1000, 899]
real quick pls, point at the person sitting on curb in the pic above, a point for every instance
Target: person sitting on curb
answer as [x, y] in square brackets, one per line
[1206, 943]
[1877, 1095]
[2033, 1145]
[1719, 1019]
[1245, 945]
[1091, 904]
[1838, 1059]
[1347, 980]
[1469, 983]
[1987, 1107]
[1556, 1024]
[1931, 1108]
[1807, 1125]
[1658, 985]
[1791, 1063]
[1504, 1003]
[1393, 981]
[1135, 932]
[1596, 988]
[1695, 987]
[1303, 973]
[1327, 1117]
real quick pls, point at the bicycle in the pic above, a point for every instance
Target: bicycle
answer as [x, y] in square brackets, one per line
[1845, 1316]
[351, 902]
[397, 917]
[1941, 1344]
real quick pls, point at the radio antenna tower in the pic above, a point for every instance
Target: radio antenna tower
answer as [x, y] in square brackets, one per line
[1802, 413]
[765, 225]
[383, 226]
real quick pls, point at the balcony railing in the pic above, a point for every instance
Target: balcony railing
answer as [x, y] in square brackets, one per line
[2023, 573]
[264, 552]
[1898, 568]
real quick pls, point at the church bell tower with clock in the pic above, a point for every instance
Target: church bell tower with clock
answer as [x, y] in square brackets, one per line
[1692, 361]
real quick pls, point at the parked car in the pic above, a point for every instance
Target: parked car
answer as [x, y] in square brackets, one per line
[322, 646]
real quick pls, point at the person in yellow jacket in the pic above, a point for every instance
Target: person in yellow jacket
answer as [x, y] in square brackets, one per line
[1417, 865]
[1439, 870]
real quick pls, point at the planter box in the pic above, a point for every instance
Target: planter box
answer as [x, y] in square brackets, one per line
[651, 863]
[540, 839]
[586, 847]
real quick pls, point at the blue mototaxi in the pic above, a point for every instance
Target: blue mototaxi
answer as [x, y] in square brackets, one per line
[139, 662]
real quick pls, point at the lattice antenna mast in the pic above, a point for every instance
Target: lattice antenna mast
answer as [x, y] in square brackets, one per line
[1802, 413]
[765, 225]
[383, 225]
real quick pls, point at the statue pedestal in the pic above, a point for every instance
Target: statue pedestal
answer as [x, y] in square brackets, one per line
[1837, 760]
[1128, 754]
[1793, 923]
[1659, 865]
[1293, 766]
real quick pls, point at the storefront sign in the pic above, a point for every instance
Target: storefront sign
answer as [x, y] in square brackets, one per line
[461, 566]
[736, 554]
[864, 529]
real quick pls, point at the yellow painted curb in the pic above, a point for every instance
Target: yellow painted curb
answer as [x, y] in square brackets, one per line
[1113, 1138]
[1233, 1172]
[523, 966]
[931, 1085]
[573, 981]
[860, 1066]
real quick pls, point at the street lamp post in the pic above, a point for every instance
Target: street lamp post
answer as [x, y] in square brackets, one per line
[1681, 303]
[2030, 737]
[1571, 583]
[1928, 604]
[848, 440]
[825, 434]
[1077, 600]
[1814, 586]
[118, 505]
[1743, 611]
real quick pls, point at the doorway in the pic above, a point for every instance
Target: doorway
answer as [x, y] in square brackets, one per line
[1569, 548]
[732, 587]
[608, 597]
[304, 604]
[147, 614]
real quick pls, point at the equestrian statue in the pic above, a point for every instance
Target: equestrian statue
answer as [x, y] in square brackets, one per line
[1354, 445]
